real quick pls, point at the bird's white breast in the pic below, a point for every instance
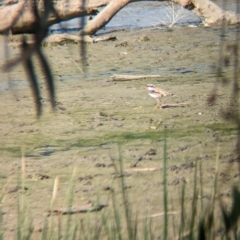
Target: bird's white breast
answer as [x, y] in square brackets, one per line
[154, 94]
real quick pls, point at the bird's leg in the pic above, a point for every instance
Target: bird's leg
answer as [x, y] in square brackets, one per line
[159, 105]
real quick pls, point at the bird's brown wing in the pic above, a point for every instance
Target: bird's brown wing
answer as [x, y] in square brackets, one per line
[162, 92]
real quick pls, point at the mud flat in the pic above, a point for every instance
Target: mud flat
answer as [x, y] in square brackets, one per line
[96, 120]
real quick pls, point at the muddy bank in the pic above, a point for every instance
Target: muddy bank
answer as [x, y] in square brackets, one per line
[94, 116]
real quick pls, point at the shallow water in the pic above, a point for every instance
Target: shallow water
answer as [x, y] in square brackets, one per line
[139, 15]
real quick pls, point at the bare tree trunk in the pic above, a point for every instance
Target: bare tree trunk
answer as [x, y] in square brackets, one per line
[105, 16]
[211, 12]
[20, 18]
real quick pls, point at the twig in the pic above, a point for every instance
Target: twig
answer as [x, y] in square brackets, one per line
[162, 214]
[153, 169]
[77, 65]
[84, 209]
[105, 38]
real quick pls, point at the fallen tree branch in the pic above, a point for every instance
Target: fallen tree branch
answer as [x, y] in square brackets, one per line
[211, 12]
[84, 209]
[64, 37]
[20, 18]
[105, 38]
[174, 105]
[55, 39]
[104, 16]
[117, 77]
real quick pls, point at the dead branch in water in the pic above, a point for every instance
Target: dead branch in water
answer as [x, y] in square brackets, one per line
[117, 77]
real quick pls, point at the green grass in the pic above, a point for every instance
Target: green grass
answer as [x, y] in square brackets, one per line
[119, 220]
[224, 128]
[123, 137]
[14, 151]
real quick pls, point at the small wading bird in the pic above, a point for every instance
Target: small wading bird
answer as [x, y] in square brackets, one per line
[157, 93]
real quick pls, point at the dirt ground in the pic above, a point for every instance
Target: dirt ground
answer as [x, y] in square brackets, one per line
[98, 121]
